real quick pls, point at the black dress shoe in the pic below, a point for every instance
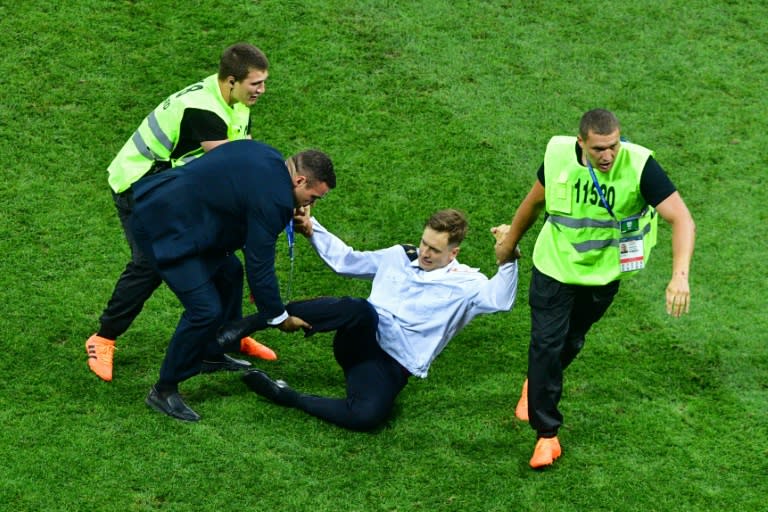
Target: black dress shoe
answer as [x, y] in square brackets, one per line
[277, 391]
[171, 404]
[224, 363]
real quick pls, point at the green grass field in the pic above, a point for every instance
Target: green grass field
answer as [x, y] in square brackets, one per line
[422, 105]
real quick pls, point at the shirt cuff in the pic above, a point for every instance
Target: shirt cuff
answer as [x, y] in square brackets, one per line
[278, 319]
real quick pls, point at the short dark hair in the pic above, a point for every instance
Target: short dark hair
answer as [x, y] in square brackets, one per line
[598, 121]
[449, 221]
[239, 59]
[315, 165]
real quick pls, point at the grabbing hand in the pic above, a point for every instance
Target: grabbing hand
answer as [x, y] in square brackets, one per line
[499, 232]
[293, 323]
[503, 255]
[302, 223]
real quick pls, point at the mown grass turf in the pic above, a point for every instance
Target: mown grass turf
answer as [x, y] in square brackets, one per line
[422, 105]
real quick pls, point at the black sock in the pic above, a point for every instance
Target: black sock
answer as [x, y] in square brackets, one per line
[165, 388]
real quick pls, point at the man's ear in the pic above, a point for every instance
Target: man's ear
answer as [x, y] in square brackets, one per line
[455, 252]
[298, 180]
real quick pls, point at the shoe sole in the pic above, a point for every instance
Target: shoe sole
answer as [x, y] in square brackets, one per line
[266, 356]
[545, 464]
[521, 409]
[276, 391]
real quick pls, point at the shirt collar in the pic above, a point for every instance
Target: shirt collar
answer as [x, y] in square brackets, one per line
[447, 268]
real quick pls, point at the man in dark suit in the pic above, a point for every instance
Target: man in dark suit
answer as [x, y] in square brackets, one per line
[189, 223]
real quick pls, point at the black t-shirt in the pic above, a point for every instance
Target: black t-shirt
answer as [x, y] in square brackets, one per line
[198, 125]
[655, 185]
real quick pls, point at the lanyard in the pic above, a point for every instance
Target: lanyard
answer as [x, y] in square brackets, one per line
[290, 235]
[599, 190]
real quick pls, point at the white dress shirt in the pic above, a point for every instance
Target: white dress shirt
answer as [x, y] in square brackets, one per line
[419, 311]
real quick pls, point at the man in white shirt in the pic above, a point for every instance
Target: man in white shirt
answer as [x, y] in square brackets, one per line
[420, 298]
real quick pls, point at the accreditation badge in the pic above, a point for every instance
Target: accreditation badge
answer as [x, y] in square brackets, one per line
[629, 225]
[631, 253]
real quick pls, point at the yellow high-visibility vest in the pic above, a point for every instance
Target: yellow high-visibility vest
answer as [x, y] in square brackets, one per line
[579, 242]
[158, 134]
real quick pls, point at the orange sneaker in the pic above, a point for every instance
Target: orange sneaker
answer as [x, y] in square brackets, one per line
[521, 411]
[251, 347]
[100, 351]
[546, 451]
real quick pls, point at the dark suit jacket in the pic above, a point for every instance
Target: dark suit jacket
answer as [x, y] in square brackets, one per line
[238, 196]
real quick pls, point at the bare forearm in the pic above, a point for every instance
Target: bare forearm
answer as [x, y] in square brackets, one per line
[678, 293]
[521, 223]
[683, 240]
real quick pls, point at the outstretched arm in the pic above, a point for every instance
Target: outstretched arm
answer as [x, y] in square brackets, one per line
[340, 257]
[678, 293]
[525, 216]
[499, 293]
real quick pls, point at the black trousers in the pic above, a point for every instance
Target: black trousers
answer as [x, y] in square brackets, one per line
[561, 316]
[373, 377]
[135, 285]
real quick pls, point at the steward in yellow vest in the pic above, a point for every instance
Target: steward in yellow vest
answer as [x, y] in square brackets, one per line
[187, 124]
[601, 196]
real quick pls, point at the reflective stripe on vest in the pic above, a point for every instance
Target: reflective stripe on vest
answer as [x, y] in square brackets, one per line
[589, 245]
[158, 132]
[142, 147]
